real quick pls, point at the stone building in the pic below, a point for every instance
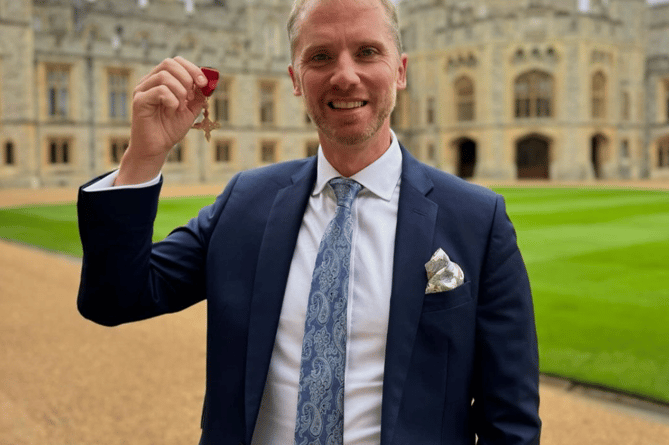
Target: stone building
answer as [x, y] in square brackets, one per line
[498, 89]
[68, 68]
[538, 88]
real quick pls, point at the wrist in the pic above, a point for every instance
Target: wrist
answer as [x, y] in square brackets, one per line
[138, 170]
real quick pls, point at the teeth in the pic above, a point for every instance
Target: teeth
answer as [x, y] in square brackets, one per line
[346, 105]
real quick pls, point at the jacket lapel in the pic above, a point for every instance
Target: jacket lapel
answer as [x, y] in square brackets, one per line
[276, 253]
[416, 219]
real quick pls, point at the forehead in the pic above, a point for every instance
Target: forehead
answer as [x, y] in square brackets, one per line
[329, 19]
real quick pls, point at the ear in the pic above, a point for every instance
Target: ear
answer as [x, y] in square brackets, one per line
[402, 72]
[297, 91]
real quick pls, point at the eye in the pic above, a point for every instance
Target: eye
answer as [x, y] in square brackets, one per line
[368, 51]
[319, 57]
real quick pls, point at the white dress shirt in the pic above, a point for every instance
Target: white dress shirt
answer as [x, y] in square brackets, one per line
[373, 244]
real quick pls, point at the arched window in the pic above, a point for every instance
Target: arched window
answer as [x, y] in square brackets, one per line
[598, 95]
[464, 98]
[534, 94]
[663, 153]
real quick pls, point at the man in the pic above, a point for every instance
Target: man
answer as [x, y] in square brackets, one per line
[411, 366]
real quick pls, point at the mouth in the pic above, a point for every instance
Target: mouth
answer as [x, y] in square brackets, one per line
[343, 105]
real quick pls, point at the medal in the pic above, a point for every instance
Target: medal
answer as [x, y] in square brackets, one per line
[206, 124]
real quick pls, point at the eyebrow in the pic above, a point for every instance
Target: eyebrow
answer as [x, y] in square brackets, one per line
[317, 46]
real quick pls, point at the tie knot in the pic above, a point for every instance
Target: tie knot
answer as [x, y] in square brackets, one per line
[345, 190]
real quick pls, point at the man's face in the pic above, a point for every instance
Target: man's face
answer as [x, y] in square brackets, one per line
[347, 69]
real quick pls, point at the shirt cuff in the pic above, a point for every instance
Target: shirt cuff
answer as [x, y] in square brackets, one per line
[107, 183]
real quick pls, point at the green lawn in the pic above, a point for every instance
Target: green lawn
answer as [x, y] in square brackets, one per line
[598, 261]
[54, 227]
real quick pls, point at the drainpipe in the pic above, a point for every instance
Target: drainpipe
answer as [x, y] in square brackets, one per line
[90, 84]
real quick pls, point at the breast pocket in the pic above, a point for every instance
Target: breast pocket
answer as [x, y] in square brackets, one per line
[448, 299]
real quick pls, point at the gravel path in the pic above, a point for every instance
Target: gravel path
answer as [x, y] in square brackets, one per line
[67, 381]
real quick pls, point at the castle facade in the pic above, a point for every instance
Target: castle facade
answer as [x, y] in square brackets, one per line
[497, 89]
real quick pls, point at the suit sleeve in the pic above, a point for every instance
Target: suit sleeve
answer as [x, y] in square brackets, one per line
[506, 395]
[125, 277]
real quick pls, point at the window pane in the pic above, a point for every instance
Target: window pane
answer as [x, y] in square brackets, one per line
[430, 110]
[660, 157]
[534, 94]
[112, 104]
[9, 153]
[221, 109]
[122, 105]
[53, 153]
[268, 152]
[118, 86]
[464, 92]
[222, 101]
[52, 102]
[176, 154]
[222, 153]
[522, 88]
[267, 103]
[116, 149]
[63, 102]
[598, 95]
[57, 88]
[312, 148]
[65, 153]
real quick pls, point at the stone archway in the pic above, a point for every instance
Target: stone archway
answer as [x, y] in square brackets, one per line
[598, 154]
[532, 157]
[466, 157]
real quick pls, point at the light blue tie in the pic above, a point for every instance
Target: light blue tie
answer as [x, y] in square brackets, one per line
[320, 400]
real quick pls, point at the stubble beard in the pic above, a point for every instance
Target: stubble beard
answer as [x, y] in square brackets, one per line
[344, 138]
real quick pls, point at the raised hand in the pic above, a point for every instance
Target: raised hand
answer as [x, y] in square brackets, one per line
[165, 103]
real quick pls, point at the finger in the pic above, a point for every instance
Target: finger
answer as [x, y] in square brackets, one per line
[197, 103]
[180, 92]
[179, 68]
[159, 96]
[193, 70]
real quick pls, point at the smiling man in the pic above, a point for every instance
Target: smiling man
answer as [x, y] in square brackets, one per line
[356, 297]
[348, 68]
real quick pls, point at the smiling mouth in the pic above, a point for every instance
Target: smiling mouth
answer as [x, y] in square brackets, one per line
[341, 105]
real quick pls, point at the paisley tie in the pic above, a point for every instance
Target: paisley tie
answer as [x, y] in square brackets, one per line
[320, 400]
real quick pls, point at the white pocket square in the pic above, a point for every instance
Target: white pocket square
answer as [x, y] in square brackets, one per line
[442, 273]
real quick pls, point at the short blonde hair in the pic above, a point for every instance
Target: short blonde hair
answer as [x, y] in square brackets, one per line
[299, 7]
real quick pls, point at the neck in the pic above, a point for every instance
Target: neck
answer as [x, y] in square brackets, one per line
[350, 159]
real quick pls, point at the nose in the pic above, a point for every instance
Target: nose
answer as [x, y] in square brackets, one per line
[345, 73]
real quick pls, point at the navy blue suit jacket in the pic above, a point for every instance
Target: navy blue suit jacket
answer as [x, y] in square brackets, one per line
[459, 364]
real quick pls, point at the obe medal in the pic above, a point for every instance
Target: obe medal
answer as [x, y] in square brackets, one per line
[206, 124]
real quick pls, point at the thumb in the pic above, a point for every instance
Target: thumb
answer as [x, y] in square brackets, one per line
[197, 103]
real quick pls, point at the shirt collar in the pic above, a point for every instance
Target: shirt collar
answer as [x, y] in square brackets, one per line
[380, 177]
